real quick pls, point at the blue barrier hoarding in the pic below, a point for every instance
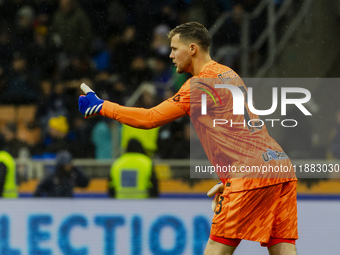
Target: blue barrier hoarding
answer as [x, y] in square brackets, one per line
[72, 226]
[161, 226]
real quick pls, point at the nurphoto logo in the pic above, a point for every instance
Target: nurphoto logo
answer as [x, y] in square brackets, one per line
[239, 99]
[241, 96]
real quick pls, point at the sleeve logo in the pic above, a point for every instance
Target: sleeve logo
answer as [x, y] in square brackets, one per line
[177, 98]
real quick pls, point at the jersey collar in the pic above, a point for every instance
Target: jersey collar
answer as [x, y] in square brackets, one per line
[207, 64]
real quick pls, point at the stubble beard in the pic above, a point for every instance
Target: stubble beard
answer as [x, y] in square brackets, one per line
[185, 68]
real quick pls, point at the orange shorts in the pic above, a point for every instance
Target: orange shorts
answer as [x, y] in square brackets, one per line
[257, 214]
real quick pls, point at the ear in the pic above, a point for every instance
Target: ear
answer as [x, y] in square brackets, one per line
[193, 49]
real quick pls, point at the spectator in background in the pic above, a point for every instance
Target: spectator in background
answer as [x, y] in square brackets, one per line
[124, 51]
[65, 177]
[162, 73]
[8, 181]
[113, 88]
[20, 87]
[11, 144]
[40, 54]
[230, 30]
[98, 14]
[101, 56]
[132, 175]
[6, 49]
[44, 10]
[202, 11]
[174, 140]
[56, 139]
[80, 141]
[78, 68]
[117, 17]
[23, 34]
[148, 97]
[169, 13]
[160, 41]
[11, 7]
[145, 15]
[71, 31]
[53, 102]
[102, 140]
[140, 72]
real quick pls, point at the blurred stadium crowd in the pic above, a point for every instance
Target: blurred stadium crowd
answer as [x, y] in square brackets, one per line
[48, 47]
[117, 47]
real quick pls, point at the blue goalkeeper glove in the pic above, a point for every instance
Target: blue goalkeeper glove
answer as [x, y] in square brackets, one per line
[89, 105]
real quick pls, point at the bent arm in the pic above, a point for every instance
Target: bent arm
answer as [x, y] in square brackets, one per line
[140, 117]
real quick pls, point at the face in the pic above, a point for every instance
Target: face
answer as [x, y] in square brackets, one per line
[180, 55]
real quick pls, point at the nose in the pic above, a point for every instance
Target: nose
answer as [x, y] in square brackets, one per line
[171, 55]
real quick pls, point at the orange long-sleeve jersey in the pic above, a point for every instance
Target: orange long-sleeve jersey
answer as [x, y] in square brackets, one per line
[141, 117]
[225, 145]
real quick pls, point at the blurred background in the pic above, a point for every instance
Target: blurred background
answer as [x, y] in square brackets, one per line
[120, 49]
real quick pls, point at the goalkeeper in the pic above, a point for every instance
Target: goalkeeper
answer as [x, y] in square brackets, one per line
[261, 209]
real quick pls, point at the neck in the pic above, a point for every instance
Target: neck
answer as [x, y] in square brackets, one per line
[199, 62]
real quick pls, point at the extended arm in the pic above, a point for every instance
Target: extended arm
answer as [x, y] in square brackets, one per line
[140, 117]
[159, 115]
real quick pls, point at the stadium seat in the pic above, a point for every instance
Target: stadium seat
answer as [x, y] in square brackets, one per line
[7, 114]
[26, 113]
[25, 134]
